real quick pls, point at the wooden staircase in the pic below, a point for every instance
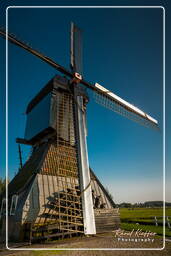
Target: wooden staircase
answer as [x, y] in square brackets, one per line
[53, 231]
[106, 220]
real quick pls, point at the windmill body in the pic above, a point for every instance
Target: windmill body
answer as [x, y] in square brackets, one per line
[50, 190]
[55, 193]
[64, 119]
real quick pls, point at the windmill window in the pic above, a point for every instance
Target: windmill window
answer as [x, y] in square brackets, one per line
[3, 207]
[13, 204]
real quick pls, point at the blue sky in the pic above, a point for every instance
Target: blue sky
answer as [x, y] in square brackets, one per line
[123, 52]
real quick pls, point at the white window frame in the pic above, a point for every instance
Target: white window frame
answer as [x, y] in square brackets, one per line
[13, 201]
[2, 207]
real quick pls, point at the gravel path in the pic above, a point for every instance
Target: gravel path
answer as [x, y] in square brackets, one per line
[99, 241]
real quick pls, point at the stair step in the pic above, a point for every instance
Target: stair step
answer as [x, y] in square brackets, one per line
[51, 235]
[53, 227]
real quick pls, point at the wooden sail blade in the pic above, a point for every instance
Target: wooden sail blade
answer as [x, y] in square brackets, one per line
[76, 49]
[14, 40]
[113, 102]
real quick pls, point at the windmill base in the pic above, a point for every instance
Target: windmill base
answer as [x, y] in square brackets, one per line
[106, 220]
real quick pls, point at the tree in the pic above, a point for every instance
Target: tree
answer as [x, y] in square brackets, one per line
[2, 185]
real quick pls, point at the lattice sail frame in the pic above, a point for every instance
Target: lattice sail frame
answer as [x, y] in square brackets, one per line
[118, 108]
[61, 163]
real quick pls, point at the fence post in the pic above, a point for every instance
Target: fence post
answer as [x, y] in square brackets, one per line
[155, 218]
[168, 222]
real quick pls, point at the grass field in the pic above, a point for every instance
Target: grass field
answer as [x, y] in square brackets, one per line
[143, 218]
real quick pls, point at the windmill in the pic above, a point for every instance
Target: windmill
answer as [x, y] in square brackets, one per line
[59, 166]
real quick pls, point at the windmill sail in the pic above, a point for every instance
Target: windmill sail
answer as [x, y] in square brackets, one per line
[113, 102]
[76, 49]
[81, 132]
[102, 95]
[13, 39]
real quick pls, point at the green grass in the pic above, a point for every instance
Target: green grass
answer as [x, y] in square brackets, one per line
[156, 229]
[143, 212]
[141, 220]
[145, 217]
